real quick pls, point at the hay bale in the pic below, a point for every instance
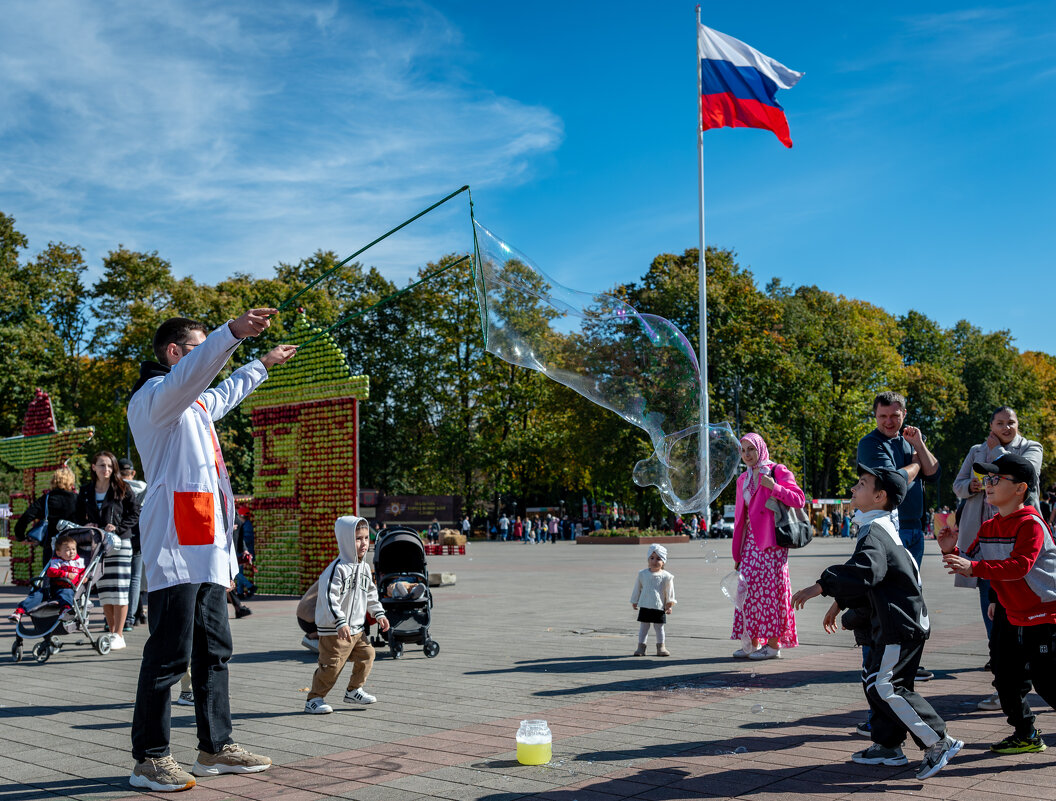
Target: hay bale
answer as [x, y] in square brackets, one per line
[448, 536]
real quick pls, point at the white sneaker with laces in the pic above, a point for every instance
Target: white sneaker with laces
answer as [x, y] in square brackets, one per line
[766, 652]
[185, 698]
[936, 756]
[358, 696]
[117, 642]
[318, 706]
[310, 644]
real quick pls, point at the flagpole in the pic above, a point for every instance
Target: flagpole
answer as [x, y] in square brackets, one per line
[702, 295]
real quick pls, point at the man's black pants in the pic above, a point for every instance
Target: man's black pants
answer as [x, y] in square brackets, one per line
[188, 625]
[1020, 655]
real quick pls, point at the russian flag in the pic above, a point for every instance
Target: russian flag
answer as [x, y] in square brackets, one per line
[738, 85]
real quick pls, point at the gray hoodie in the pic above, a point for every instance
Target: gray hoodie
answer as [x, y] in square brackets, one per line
[346, 587]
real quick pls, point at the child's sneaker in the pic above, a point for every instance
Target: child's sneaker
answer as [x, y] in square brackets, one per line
[310, 644]
[185, 698]
[766, 652]
[161, 775]
[877, 754]
[357, 696]
[992, 703]
[936, 756]
[15, 617]
[1019, 745]
[864, 729]
[417, 591]
[318, 706]
[231, 759]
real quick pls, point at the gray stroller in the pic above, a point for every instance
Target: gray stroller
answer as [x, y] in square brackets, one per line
[45, 623]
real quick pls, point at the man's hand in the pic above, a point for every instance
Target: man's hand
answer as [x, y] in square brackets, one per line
[345, 633]
[383, 623]
[829, 621]
[947, 539]
[280, 354]
[957, 564]
[912, 435]
[253, 322]
[800, 599]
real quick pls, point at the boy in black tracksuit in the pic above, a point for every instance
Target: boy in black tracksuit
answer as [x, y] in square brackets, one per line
[884, 572]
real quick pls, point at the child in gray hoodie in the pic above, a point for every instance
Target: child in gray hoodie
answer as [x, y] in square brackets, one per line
[346, 594]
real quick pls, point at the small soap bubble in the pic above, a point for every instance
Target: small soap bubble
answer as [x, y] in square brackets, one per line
[757, 708]
[710, 556]
[740, 750]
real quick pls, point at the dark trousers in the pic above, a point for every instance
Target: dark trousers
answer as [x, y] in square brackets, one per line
[1020, 655]
[188, 624]
[896, 709]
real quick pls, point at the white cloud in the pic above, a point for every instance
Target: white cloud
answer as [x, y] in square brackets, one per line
[258, 132]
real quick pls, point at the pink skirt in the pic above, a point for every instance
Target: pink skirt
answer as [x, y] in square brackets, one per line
[767, 609]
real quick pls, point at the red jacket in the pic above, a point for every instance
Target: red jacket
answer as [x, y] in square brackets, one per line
[1012, 546]
[65, 573]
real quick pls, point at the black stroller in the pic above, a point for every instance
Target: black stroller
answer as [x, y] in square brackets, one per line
[400, 556]
[45, 623]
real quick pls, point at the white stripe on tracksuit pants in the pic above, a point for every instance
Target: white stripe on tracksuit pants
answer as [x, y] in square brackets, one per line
[897, 709]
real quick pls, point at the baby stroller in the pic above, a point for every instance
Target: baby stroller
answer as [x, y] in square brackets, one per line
[45, 623]
[400, 556]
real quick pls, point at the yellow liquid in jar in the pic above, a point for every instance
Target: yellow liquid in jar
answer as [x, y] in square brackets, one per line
[534, 753]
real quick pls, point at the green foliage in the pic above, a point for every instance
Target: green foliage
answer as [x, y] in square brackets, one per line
[799, 365]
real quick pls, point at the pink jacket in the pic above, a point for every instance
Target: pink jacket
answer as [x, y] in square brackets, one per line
[785, 490]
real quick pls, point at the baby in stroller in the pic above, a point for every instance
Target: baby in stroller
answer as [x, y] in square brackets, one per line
[410, 587]
[63, 572]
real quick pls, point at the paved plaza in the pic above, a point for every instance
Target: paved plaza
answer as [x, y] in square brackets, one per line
[540, 631]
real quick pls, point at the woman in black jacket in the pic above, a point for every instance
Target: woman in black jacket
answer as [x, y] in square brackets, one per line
[61, 501]
[108, 503]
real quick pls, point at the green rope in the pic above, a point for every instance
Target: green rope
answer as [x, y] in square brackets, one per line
[290, 300]
[381, 302]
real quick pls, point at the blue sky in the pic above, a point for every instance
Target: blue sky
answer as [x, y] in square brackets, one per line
[230, 136]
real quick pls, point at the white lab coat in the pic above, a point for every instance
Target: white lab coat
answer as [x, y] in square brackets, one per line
[185, 534]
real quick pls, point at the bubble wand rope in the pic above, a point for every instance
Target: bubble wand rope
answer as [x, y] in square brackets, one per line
[381, 302]
[405, 223]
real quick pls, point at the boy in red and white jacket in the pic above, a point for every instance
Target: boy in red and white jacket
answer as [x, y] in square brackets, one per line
[1016, 552]
[64, 570]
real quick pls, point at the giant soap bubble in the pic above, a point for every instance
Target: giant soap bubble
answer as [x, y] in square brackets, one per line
[638, 365]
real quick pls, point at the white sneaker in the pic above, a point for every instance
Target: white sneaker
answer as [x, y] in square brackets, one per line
[185, 698]
[310, 644]
[740, 653]
[357, 696]
[766, 652]
[117, 642]
[990, 704]
[318, 706]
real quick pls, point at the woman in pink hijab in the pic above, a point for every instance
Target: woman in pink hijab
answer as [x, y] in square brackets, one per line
[764, 623]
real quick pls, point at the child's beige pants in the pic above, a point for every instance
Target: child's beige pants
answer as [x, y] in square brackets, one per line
[333, 653]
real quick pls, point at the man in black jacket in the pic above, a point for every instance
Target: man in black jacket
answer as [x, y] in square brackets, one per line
[886, 574]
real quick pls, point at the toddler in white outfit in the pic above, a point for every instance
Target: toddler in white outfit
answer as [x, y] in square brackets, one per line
[654, 598]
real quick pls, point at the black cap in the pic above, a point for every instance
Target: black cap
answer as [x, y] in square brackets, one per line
[125, 464]
[893, 482]
[1012, 465]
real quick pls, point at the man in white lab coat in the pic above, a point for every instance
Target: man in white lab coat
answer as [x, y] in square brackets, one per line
[186, 529]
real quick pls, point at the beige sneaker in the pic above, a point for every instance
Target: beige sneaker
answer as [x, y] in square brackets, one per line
[161, 775]
[231, 759]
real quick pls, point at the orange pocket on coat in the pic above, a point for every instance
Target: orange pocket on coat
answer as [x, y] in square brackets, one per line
[192, 512]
